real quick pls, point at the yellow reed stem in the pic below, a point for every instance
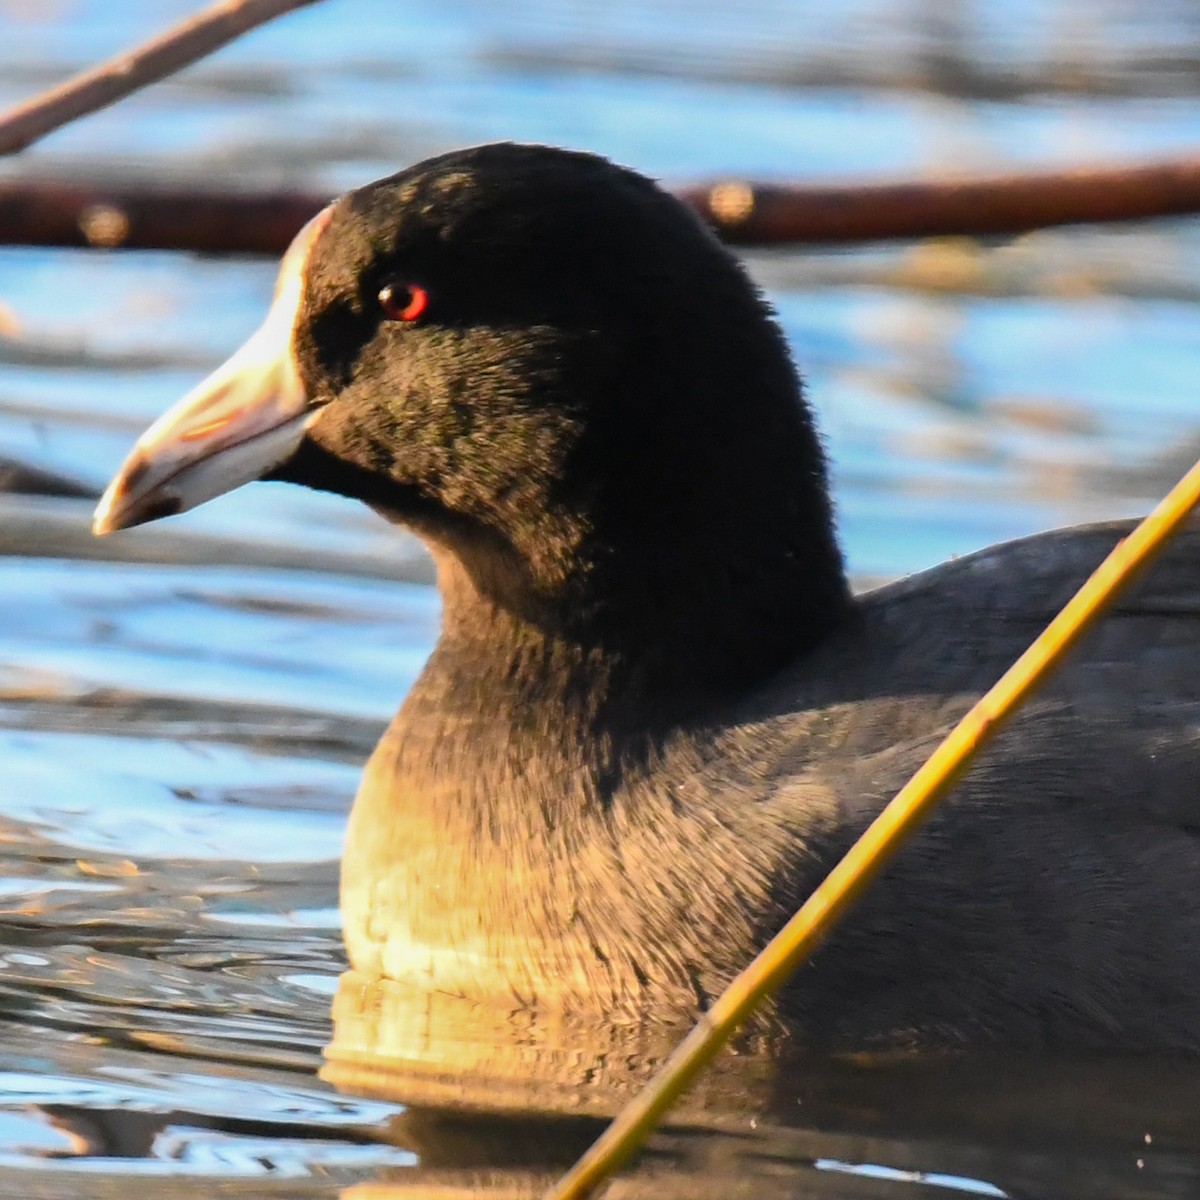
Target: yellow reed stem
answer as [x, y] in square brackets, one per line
[871, 853]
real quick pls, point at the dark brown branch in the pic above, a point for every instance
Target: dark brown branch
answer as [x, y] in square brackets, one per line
[758, 214]
[136, 217]
[54, 213]
[102, 85]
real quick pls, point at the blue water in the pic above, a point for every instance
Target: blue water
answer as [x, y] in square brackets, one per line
[180, 739]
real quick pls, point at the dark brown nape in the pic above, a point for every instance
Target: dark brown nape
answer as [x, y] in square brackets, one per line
[598, 428]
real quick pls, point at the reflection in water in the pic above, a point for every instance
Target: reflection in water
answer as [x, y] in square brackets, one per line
[763, 1117]
[445, 1051]
[180, 741]
[993, 1127]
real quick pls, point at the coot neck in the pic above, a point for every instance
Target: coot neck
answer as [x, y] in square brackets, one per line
[645, 634]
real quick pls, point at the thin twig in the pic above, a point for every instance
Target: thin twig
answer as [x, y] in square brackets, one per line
[51, 212]
[102, 85]
[879, 844]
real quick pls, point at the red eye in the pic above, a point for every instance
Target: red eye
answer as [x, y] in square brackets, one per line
[403, 301]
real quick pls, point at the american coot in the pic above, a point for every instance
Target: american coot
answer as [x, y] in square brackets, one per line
[655, 714]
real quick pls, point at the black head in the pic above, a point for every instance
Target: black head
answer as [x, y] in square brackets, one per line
[552, 371]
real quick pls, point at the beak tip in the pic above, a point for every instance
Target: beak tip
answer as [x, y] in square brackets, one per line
[103, 519]
[118, 512]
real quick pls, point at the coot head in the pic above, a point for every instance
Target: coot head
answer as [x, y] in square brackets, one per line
[546, 366]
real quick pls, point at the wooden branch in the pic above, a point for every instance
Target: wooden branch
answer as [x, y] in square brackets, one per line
[100, 86]
[134, 217]
[142, 217]
[764, 214]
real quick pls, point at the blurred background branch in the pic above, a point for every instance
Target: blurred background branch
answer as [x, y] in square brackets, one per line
[103, 85]
[55, 212]
[1018, 202]
[151, 217]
